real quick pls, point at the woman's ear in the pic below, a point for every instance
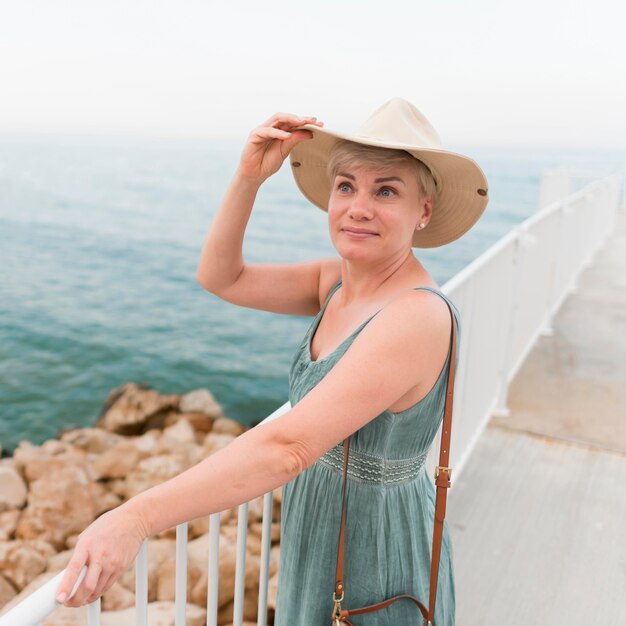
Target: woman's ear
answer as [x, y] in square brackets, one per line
[426, 210]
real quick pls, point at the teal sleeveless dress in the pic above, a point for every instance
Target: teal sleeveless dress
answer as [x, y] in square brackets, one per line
[390, 509]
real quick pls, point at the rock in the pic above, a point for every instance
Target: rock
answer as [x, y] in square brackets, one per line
[117, 598]
[117, 461]
[153, 471]
[159, 614]
[92, 440]
[226, 426]
[257, 530]
[146, 443]
[250, 609]
[158, 551]
[214, 442]
[272, 591]
[198, 527]
[180, 439]
[7, 591]
[118, 487]
[103, 499]
[255, 510]
[20, 563]
[59, 505]
[278, 495]
[200, 401]
[12, 488]
[8, 523]
[59, 561]
[181, 432]
[198, 550]
[133, 408]
[166, 586]
[200, 422]
[65, 616]
[35, 462]
[198, 553]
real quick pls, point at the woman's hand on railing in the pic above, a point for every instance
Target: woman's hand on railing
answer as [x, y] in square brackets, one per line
[107, 547]
[269, 144]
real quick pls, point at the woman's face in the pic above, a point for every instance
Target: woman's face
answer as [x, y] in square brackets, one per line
[372, 214]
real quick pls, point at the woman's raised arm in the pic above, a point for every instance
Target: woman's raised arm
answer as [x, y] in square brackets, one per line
[281, 288]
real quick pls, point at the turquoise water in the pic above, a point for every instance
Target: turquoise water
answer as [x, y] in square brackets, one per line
[99, 244]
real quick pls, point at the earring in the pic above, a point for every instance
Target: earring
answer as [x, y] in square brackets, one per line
[422, 224]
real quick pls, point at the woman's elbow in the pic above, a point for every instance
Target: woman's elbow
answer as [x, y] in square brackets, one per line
[205, 282]
[297, 457]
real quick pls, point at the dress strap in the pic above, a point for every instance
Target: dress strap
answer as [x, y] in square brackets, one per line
[330, 294]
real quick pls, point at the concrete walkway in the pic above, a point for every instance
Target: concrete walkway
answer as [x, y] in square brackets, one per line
[538, 516]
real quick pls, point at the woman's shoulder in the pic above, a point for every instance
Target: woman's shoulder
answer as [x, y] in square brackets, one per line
[424, 303]
[330, 275]
[417, 320]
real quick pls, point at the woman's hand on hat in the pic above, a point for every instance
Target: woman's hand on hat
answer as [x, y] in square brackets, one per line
[270, 143]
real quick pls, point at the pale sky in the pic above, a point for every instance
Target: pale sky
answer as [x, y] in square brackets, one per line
[533, 73]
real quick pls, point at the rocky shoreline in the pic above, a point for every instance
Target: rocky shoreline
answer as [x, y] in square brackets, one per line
[50, 493]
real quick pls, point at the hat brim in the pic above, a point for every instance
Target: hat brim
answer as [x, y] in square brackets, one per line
[462, 192]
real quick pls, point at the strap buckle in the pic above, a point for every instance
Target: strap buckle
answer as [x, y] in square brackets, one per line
[337, 609]
[447, 469]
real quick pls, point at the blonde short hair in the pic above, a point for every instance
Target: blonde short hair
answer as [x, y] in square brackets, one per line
[348, 153]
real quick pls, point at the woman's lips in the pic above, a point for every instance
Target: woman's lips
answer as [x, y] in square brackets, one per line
[359, 234]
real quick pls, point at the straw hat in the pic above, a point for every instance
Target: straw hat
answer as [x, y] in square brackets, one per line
[461, 184]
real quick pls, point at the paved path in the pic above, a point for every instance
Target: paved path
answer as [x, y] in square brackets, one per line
[538, 516]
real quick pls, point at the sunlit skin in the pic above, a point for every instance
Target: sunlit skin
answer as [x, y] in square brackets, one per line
[373, 213]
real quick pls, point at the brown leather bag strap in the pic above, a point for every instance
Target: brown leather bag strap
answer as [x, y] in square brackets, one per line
[442, 481]
[443, 474]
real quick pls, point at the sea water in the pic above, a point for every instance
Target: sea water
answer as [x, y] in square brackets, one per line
[99, 246]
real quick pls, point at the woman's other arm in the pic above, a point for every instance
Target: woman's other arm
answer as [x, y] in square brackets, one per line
[281, 288]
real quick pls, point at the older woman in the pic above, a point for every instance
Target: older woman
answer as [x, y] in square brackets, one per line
[373, 366]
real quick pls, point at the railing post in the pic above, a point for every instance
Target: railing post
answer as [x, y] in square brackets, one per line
[141, 584]
[93, 613]
[500, 408]
[240, 564]
[181, 575]
[213, 569]
[266, 543]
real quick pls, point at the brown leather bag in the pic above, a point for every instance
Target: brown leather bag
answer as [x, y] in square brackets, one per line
[443, 474]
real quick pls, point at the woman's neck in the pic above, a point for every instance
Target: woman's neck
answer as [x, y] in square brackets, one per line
[361, 282]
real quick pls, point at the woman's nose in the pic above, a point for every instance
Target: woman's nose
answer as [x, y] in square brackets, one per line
[360, 207]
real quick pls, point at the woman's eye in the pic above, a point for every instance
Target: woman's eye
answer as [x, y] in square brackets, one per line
[345, 187]
[387, 192]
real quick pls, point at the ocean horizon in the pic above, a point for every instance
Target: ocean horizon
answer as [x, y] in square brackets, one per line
[99, 243]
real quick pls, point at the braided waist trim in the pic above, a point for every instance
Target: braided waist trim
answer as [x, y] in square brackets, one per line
[372, 469]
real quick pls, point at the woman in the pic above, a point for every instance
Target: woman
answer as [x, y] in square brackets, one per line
[372, 366]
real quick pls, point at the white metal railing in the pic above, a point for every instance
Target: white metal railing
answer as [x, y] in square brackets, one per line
[506, 298]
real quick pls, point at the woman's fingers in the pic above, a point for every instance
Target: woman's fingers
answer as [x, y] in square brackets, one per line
[108, 583]
[104, 584]
[88, 587]
[288, 120]
[70, 577]
[263, 133]
[295, 138]
[269, 144]
[282, 118]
